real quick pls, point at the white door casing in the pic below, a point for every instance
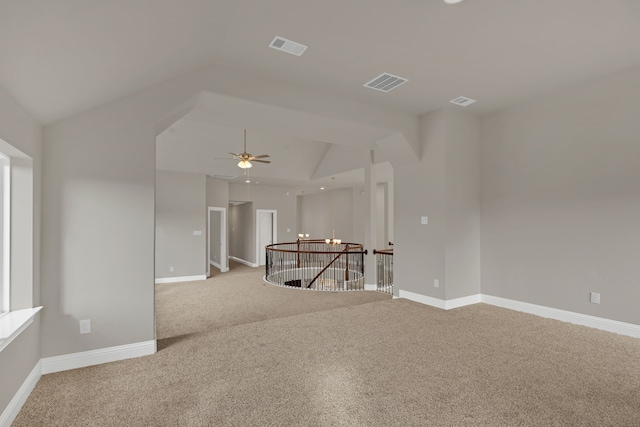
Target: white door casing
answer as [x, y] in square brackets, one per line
[224, 259]
[266, 232]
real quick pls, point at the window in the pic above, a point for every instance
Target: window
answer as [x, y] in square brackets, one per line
[5, 230]
[16, 243]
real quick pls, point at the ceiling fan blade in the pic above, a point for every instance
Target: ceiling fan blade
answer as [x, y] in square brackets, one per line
[261, 161]
[261, 156]
[234, 154]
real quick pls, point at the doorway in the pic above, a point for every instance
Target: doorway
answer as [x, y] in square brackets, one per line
[217, 240]
[266, 232]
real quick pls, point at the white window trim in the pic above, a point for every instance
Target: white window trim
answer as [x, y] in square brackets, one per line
[13, 323]
[6, 234]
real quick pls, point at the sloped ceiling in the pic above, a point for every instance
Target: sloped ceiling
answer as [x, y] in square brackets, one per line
[61, 57]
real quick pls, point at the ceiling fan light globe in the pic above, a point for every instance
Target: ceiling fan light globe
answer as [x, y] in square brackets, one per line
[243, 164]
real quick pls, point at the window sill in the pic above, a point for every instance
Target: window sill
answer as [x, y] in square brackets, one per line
[13, 323]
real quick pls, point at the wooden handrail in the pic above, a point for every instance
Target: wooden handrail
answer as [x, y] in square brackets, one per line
[354, 248]
[383, 251]
[345, 250]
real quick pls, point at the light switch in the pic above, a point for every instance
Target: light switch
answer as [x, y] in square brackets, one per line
[197, 232]
[424, 220]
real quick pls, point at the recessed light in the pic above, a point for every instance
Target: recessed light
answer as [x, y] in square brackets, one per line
[452, 1]
[247, 181]
[322, 188]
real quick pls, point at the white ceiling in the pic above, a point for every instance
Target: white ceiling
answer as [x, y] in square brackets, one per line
[60, 57]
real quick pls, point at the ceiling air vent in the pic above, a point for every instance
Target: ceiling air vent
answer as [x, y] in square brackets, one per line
[385, 82]
[280, 43]
[221, 176]
[463, 101]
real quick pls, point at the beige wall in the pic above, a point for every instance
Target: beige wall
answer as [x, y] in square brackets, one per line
[180, 208]
[19, 358]
[561, 199]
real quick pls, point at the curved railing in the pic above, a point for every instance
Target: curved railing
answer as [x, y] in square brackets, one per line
[384, 273]
[314, 264]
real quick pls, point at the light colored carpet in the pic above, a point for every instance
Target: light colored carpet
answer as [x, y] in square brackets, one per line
[391, 362]
[239, 296]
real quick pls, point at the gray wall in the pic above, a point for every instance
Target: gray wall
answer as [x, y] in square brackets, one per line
[321, 209]
[217, 192]
[242, 232]
[419, 255]
[218, 197]
[561, 199]
[444, 187]
[98, 193]
[180, 208]
[215, 236]
[19, 358]
[280, 199]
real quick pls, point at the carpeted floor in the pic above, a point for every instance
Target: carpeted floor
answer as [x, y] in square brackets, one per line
[387, 362]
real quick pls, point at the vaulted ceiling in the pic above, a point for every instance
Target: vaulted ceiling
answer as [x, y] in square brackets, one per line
[60, 57]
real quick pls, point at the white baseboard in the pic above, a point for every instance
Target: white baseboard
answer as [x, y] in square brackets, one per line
[609, 325]
[614, 326]
[242, 261]
[440, 303]
[181, 279]
[11, 411]
[370, 287]
[97, 357]
[218, 266]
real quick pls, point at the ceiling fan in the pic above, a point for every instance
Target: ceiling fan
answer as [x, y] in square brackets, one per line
[246, 158]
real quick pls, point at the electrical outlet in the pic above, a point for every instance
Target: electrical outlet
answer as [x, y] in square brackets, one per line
[436, 283]
[595, 297]
[85, 326]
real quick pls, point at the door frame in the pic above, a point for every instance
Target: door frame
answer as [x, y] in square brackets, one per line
[274, 230]
[224, 259]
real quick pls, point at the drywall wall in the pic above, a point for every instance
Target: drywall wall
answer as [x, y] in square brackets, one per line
[358, 227]
[561, 199]
[462, 201]
[19, 358]
[98, 197]
[218, 197]
[180, 208]
[328, 209]
[242, 231]
[217, 192]
[280, 199]
[444, 188]
[419, 256]
[382, 233]
[215, 236]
